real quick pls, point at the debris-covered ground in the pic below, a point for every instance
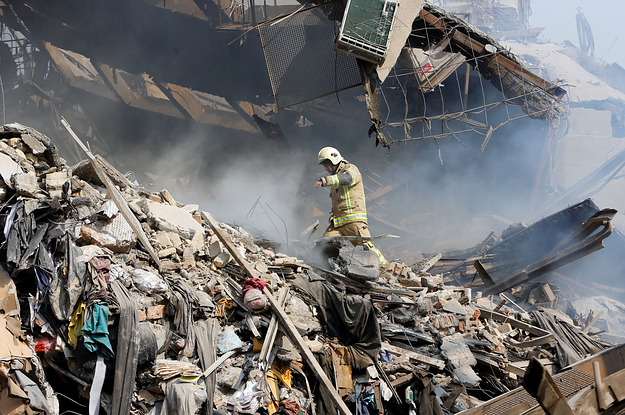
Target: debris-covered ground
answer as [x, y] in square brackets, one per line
[121, 300]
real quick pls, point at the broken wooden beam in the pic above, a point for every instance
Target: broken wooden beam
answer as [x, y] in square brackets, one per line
[272, 330]
[119, 200]
[486, 278]
[539, 383]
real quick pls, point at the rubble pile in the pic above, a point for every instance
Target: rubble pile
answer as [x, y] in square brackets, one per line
[168, 311]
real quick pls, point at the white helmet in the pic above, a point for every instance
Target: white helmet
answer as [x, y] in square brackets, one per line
[331, 154]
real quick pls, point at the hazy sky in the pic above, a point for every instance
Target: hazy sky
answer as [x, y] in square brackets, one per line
[606, 18]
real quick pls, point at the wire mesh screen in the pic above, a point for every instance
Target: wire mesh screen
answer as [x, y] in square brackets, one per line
[301, 59]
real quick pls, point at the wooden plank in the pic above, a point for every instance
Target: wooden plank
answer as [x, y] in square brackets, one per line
[225, 239]
[272, 330]
[218, 363]
[486, 278]
[287, 325]
[593, 321]
[252, 326]
[402, 380]
[119, 200]
[417, 357]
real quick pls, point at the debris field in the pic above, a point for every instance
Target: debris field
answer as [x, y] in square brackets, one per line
[119, 300]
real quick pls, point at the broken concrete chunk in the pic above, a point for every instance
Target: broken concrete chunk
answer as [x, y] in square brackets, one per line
[167, 197]
[360, 263]
[453, 306]
[188, 257]
[175, 239]
[162, 238]
[457, 352]
[302, 316]
[116, 235]
[214, 249]
[190, 208]
[8, 168]
[136, 209]
[35, 145]
[431, 281]
[229, 376]
[25, 184]
[466, 376]
[173, 219]
[222, 259]
[55, 182]
[164, 253]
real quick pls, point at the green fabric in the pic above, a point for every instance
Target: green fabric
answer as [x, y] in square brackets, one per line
[95, 331]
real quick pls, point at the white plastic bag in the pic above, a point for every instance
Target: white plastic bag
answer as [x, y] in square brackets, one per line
[148, 282]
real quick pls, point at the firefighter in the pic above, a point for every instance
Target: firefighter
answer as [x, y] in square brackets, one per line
[349, 213]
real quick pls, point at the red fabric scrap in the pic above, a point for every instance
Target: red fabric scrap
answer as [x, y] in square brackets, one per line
[253, 283]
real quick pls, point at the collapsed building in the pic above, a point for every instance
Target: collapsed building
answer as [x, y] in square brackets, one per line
[122, 299]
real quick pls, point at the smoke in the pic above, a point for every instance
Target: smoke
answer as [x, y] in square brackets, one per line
[602, 16]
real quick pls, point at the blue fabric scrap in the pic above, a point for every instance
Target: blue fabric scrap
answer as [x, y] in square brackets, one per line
[95, 331]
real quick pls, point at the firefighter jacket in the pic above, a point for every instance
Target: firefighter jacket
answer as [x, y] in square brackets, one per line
[347, 194]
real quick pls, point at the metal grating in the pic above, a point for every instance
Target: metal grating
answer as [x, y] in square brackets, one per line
[569, 382]
[300, 56]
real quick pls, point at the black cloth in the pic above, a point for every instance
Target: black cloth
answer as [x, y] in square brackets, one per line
[349, 318]
[572, 344]
[323, 401]
[424, 396]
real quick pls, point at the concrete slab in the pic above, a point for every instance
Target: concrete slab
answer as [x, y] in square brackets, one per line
[173, 219]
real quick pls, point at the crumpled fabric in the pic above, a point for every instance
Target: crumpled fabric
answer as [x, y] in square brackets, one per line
[182, 398]
[95, 331]
[75, 324]
[250, 283]
[424, 396]
[66, 287]
[349, 318]
[96, 283]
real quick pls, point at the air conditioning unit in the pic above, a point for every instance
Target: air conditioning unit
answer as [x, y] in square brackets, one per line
[366, 29]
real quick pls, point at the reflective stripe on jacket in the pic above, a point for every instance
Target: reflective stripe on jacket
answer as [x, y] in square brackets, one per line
[347, 194]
